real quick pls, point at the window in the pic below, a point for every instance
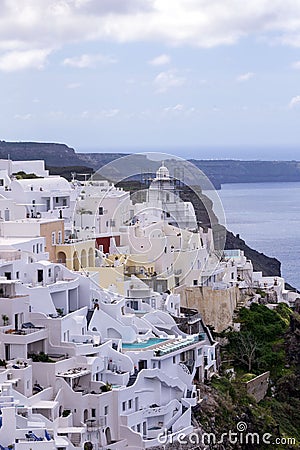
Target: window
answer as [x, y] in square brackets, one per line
[66, 336]
[56, 199]
[195, 282]
[112, 223]
[123, 406]
[53, 237]
[1, 182]
[93, 412]
[33, 249]
[6, 214]
[17, 275]
[100, 210]
[174, 359]
[129, 404]
[49, 272]
[41, 247]
[199, 351]
[105, 410]
[138, 428]
[59, 237]
[232, 275]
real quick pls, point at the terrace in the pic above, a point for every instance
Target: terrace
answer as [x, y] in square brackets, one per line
[178, 344]
[24, 335]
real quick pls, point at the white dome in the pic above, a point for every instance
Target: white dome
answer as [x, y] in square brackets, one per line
[163, 173]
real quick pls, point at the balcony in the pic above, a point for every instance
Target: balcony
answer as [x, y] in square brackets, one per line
[96, 425]
[8, 256]
[24, 336]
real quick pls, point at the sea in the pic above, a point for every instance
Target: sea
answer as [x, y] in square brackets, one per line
[267, 217]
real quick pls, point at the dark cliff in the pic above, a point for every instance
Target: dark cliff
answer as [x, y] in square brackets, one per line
[218, 171]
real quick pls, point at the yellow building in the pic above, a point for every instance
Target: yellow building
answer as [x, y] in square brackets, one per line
[76, 255]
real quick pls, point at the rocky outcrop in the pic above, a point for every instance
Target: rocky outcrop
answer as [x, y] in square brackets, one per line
[261, 263]
[54, 154]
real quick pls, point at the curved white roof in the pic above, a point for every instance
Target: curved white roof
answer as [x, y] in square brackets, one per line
[47, 184]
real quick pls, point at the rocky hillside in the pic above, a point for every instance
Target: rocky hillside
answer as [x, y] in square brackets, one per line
[219, 171]
[54, 154]
[226, 405]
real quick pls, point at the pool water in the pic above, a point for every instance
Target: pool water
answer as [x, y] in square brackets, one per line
[149, 343]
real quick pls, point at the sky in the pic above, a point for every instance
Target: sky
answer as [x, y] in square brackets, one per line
[197, 78]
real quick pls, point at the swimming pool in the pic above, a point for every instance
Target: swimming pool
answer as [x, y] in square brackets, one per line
[149, 343]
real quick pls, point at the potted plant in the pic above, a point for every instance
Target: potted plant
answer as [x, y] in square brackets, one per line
[5, 319]
[88, 446]
[106, 388]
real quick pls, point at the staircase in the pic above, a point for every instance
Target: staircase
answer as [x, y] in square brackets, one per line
[89, 316]
[132, 379]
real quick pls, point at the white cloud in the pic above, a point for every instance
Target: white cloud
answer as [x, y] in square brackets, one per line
[85, 61]
[23, 116]
[245, 77]
[160, 60]
[103, 113]
[27, 59]
[295, 101]
[166, 80]
[50, 24]
[73, 85]
[57, 115]
[178, 109]
[296, 65]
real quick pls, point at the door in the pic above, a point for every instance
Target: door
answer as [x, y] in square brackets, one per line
[40, 274]
[7, 352]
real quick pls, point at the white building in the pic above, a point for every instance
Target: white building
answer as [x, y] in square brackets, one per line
[113, 367]
[80, 364]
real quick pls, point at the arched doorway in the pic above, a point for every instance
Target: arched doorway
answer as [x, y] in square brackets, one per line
[61, 257]
[83, 258]
[91, 257]
[85, 415]
[75, 261]
[108, 435]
